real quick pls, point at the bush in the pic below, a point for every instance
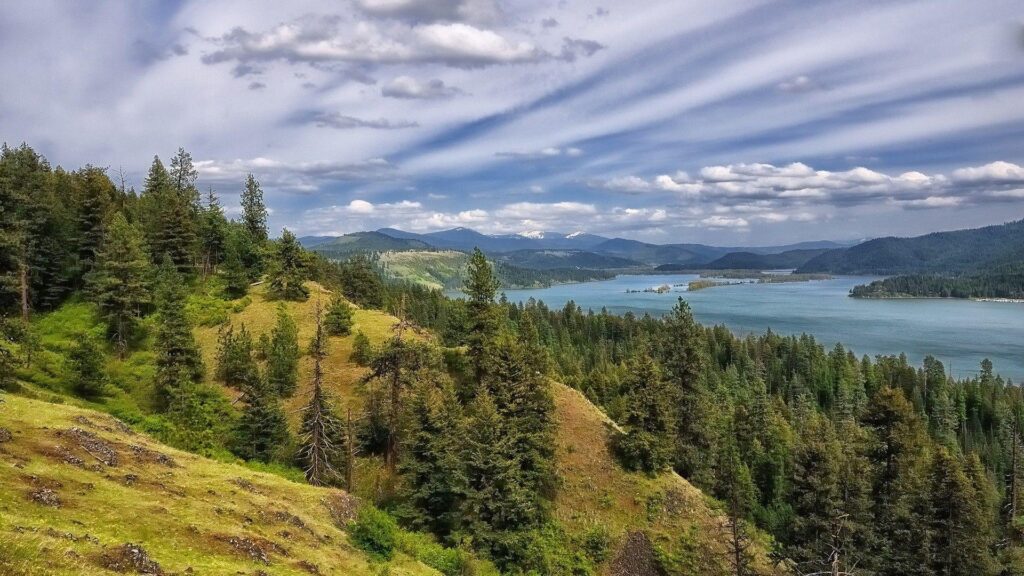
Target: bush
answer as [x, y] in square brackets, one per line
[338, 320]
[375, 532]
[362, 352]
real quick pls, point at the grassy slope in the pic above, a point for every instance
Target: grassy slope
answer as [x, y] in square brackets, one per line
[197, 513]
[595, 491]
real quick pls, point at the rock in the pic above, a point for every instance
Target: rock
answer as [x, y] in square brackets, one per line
[129, 558]
[45, 497]
[636, 557]
[5, 435]
[92, 444]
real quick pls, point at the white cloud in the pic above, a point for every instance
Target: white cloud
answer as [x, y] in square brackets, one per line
[725, 222]
[410, 88]
[297, 176]
[992, 172]
[546, 152]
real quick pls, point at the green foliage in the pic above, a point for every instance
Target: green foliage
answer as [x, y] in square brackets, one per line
[283, 355]
[254, 212]
[481, 287]
[362, 350]
[288, 270]
[999, 282]
[178, 355]
[360, 282]
[338, 321]
[375, 532]
[646, 444]
[86, 371]
[201, 417]
[118, 282]
[262, 429]
[235, 363]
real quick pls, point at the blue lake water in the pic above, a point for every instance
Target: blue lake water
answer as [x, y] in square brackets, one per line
[959, 332]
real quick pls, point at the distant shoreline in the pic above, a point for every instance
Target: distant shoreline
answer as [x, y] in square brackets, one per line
[911, 297]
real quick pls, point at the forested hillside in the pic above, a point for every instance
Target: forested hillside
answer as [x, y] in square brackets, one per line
[1000, 282]
[476, 435]
[940, 253]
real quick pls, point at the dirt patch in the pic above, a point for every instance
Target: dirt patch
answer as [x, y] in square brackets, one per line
[5, 435]
[257, 549]
[92, 445]
[342, 507]
[129, 559]
[147, 456]
[245, 485]
[636, 557]
[309, 567]
[45, 497]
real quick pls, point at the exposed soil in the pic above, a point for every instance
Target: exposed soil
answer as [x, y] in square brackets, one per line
[91, 444]
[636, 557]
[128, 559]
[342, 507]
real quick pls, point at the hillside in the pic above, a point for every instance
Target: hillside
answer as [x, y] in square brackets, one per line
[596, 494]
[939, 252]
[752, 261]
[555, 259]
[81, 493]
[362, 242]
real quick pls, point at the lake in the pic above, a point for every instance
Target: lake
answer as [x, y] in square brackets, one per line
[958, 332]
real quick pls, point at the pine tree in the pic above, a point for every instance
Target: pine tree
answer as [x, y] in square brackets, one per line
[95, 204]
[170, 218]
[283, 355]
[183, 177]
[178, 355]
[288, 270]
[362, 351]
[338, 321]
[235, 364]
[87, 374]
[236, 277]
[960, 527]
[736, 489]
[254, 212]
[212, 234]
[323, 438]
[523, 397]
[262, 429]
[498, 508]
[649, 422]
[432, 467]
[481, 288]
[118, 282]
[25, 179]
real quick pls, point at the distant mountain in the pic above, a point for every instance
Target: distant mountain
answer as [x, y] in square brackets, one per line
[466, 239]
[571, 259]
[310, 241]
[751, 261]
[367, 242]
[939, 252]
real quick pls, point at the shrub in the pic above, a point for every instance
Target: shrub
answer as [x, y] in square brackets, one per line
[375, 532]
[338, 320]
[362, 352]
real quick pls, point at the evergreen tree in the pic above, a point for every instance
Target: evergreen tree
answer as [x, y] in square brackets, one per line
[87, 374]
[523, 397]
[338, 321]
[235, 363]
[288, 270]
[25, 249]
[262, 429]
[323, 439]
[201, 415]
[362, 351]
[283, 355]
[432, 467]
[254, 212]
[177, 355]
[960, 527]
[183, 177]
[118, 282]
[736, 489]
[213, 235]
[170, 218]
[96, 194]
[649, 422]
[499, 510]
[481, 287]
[236, 276]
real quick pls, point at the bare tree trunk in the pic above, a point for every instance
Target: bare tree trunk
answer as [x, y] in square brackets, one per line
[350, 444]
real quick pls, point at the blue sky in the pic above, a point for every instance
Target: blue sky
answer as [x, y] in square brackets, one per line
[712, 121]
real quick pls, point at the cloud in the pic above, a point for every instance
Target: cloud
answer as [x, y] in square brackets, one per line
[326, 40]
[548, 23]
[480, 11]
[549, 152]
[768, 186]
[797, 85]
[341, 122]
[407, 87]
[725, 222]
[573, 48]
[302, 177]
[257, 86]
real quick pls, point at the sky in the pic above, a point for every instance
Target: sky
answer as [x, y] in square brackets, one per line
[715, 121]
